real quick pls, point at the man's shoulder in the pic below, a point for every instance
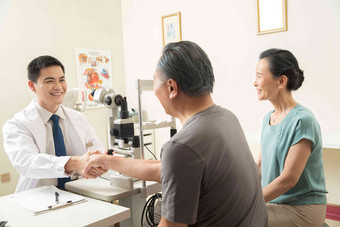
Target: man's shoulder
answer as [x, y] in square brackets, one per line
[29, 113]
[215, 109]
[207, 121]
[209, 114]
[22, 118]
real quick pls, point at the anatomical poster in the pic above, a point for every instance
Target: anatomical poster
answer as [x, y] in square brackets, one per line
[93, 71]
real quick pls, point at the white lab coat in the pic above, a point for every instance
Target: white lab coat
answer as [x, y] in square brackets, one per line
[25, 145]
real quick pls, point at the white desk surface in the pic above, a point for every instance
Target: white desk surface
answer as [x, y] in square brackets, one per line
[100, 188]
[89, 213]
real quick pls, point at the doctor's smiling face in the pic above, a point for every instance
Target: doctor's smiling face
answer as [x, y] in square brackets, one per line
[50, 87]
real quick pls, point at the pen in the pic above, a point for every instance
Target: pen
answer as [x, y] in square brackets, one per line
[59, 206]
[51, 207]
[56, 197]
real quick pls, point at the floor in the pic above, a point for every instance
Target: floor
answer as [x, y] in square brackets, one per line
[332, 223]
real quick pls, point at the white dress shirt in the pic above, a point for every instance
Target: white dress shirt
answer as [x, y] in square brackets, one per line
[46, 117]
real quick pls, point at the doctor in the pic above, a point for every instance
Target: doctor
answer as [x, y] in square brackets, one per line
[42, 150]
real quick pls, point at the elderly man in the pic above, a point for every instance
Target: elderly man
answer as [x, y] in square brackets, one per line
[208, 175]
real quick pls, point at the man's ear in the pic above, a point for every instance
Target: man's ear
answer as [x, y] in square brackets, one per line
[31, 85]
[282, 82]
[172, 88]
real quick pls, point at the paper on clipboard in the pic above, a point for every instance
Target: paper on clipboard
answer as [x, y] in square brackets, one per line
[43, 198]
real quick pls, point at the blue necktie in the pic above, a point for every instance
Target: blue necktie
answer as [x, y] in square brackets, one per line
[59, 146]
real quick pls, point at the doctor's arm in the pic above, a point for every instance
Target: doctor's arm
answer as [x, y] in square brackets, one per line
[295, 163]
[27, 159]
[25, 156]
[149, 170]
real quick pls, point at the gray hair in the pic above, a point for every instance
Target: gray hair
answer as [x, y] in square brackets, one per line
[187, 64]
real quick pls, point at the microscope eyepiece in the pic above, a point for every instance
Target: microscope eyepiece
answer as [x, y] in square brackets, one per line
[108, 100]
[118, 100]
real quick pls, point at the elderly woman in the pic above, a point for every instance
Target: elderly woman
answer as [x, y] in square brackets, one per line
[290, 162]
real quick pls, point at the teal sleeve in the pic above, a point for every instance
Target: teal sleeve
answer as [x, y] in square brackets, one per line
[305, 129]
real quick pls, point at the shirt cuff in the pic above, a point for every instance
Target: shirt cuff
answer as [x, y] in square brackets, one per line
[60, 166]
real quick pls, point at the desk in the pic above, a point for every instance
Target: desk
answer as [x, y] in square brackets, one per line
[89, 213]
[101, 189]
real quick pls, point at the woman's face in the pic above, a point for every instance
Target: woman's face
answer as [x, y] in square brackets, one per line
[265, 84]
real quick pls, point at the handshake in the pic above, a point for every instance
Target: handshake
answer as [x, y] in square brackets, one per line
[90, 165]
[93, 164]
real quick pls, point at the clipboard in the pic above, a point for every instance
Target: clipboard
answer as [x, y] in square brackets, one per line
[42, 199]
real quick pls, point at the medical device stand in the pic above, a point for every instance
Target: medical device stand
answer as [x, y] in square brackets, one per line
[147, 85]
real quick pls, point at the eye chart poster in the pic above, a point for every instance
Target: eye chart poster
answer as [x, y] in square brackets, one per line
[93, 71]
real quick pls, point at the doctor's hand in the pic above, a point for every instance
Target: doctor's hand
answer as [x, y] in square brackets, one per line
[97, 161]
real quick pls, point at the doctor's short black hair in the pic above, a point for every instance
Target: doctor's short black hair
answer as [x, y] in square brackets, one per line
[34, 67]
[187, 64]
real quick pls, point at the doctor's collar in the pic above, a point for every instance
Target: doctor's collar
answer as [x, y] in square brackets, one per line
[46, 115]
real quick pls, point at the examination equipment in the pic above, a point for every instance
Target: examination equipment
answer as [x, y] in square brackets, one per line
[121, 134]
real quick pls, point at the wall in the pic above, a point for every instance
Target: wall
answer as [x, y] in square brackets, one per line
[39, 27]
[226, 30]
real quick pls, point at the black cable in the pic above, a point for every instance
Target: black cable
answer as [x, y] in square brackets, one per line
[150, 152]
[149, 210]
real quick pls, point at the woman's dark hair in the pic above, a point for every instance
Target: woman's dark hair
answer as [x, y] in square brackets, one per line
[34, 67]
[187, 64]
[283, 62]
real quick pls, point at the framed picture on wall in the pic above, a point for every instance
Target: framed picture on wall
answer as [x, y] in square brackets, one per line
[171, 28]
[271, 16]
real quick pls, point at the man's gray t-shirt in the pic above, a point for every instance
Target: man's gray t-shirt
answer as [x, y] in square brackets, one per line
[209, 177]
